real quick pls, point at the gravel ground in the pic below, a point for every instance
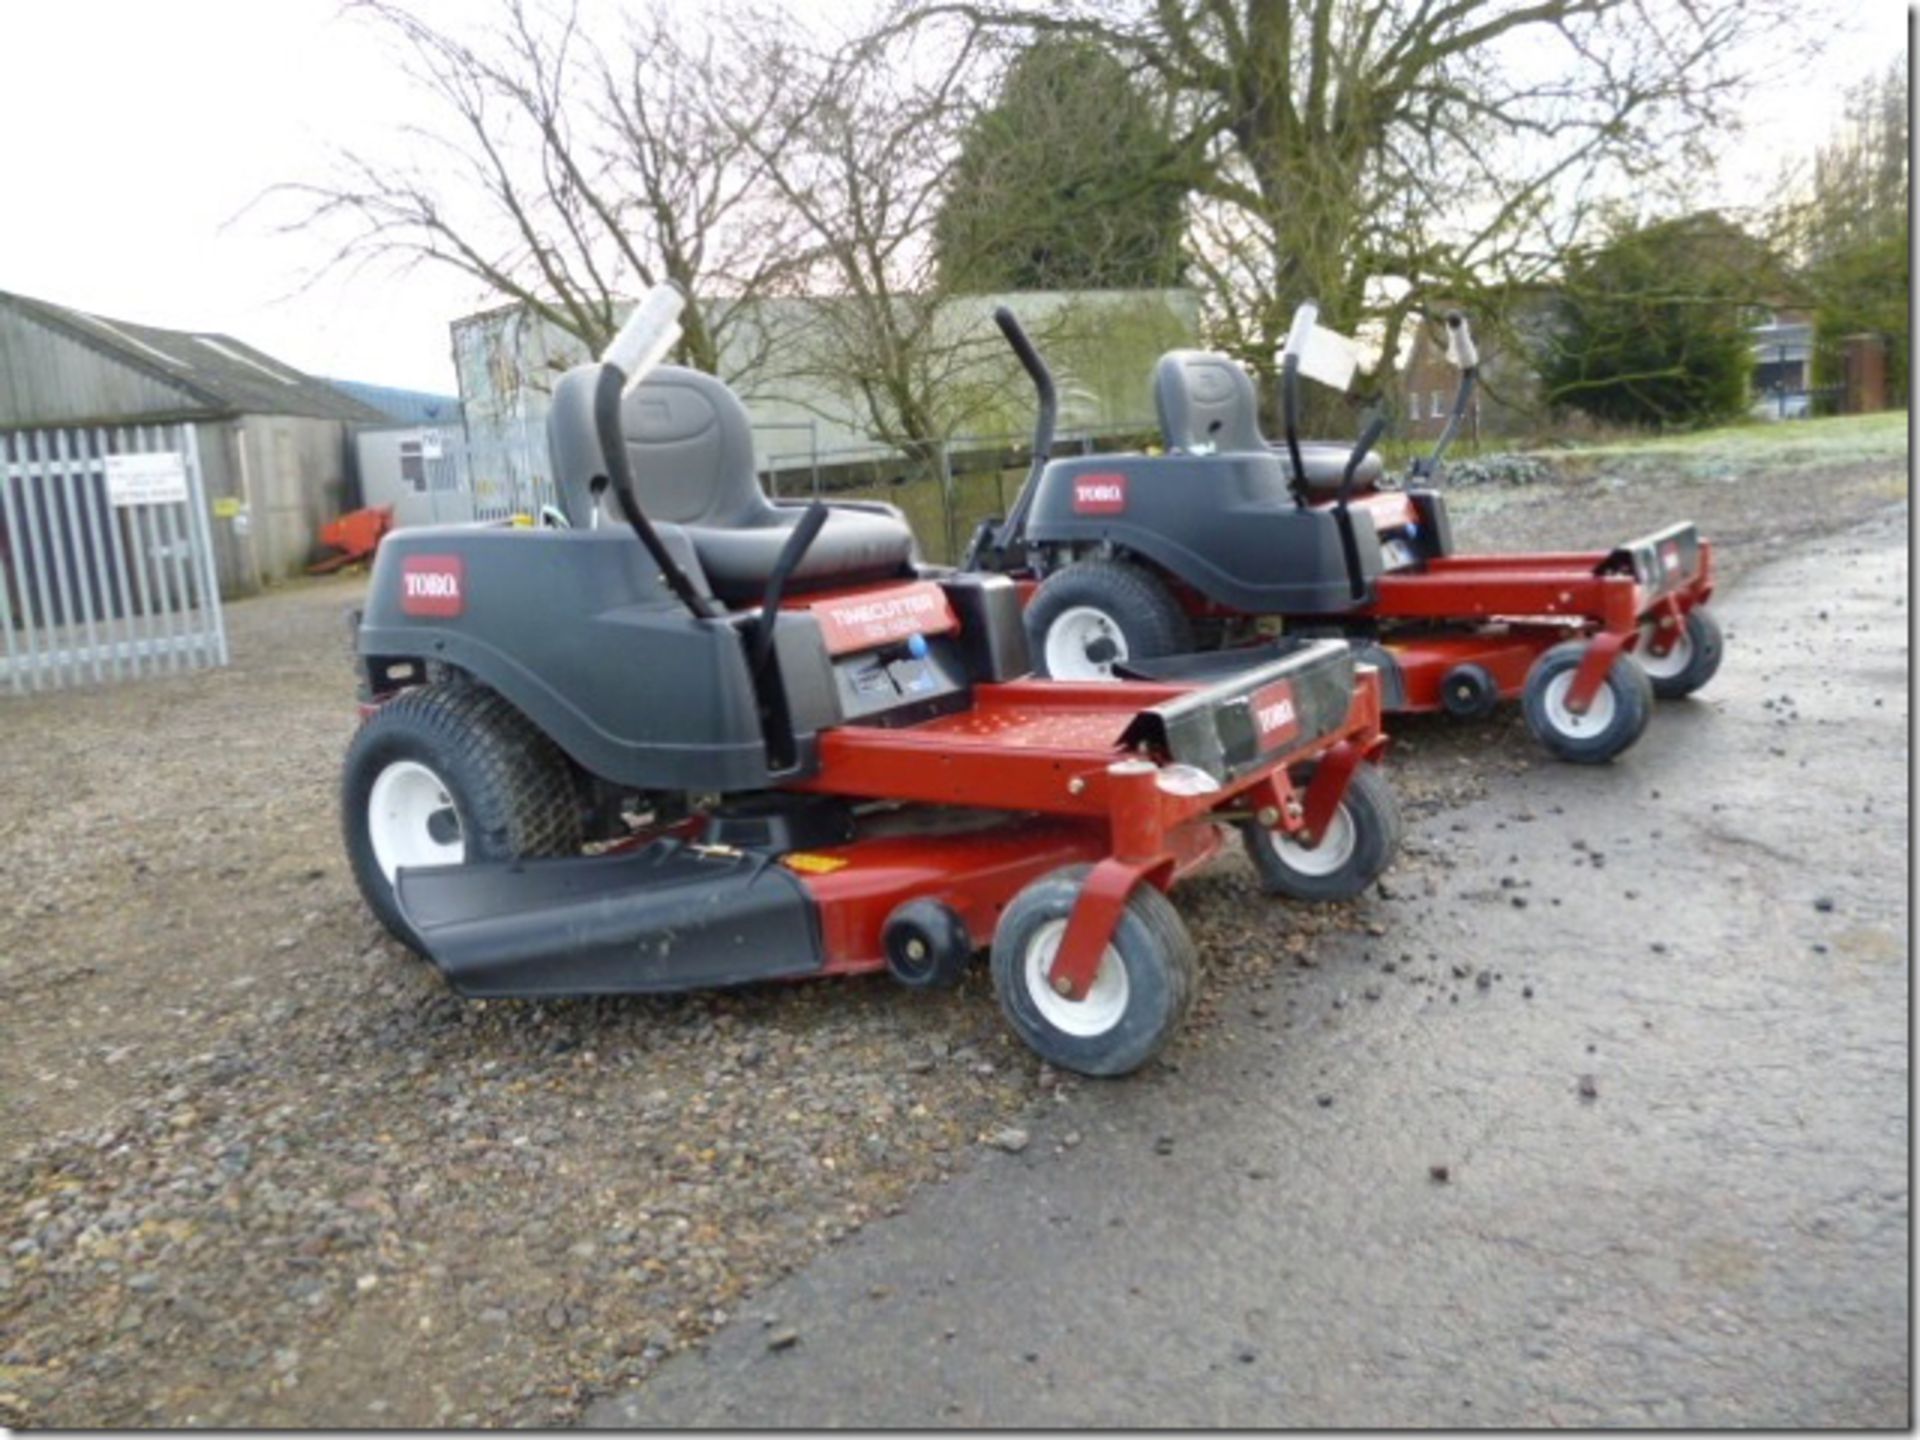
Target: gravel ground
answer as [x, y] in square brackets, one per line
[262, 1169]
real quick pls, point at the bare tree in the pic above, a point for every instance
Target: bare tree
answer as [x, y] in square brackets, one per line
[567, 176]
[1377, 154]
[862, 155]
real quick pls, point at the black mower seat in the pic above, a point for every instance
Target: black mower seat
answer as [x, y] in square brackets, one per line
[853, 546]
[691, 449]
[1207, 405]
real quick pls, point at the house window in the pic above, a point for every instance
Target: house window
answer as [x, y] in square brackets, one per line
[1439, 404]
[413, 466]
[1413, 404]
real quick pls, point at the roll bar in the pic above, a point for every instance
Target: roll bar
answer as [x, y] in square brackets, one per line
[1006, 533]
[1466, 356]
[1304, 319]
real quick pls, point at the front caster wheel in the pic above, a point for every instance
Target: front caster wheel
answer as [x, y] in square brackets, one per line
[1361, 840]
[1690, 661]
[1138, 998]
[1619, 712]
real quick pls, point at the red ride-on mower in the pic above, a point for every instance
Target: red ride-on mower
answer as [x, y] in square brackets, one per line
[1224, 538]
[792, 750]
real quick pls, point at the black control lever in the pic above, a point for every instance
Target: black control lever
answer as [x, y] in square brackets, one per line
[1376, 426]
[799, 540]
[1304, 319]
[607, 391]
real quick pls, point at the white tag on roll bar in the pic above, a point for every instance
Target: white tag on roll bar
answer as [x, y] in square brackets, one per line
[1329, 357]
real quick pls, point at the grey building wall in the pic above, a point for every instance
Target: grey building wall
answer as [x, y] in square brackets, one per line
[287, 476]
[426, 485]
[1101, 345]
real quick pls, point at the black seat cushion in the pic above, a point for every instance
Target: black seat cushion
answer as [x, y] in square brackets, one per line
[1325, 462]
[852, 547]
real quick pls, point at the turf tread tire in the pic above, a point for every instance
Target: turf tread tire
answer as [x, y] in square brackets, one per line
[515, 791]
[1139, 603]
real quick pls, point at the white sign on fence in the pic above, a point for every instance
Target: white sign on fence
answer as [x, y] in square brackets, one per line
[154, 478]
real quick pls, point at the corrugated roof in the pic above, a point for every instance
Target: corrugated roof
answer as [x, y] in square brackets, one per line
[408, 407]
[226, 375]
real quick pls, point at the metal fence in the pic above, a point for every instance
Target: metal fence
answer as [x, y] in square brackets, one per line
[945, 494]
[106, 557]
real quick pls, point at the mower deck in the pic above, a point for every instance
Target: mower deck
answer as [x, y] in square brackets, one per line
[1127, 778]
[1519, 606]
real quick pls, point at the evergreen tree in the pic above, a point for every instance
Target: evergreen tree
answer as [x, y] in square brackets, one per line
[1071, 180]
[1653, 323]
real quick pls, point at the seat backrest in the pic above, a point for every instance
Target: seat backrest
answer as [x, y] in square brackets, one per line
[1206, 402]
[690, 446]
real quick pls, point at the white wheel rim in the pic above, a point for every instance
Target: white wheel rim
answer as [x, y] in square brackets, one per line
[1578, 727]
[1106, 998]
[1334, 850]
[1073, 633]
[401, 819]
[1669, 665]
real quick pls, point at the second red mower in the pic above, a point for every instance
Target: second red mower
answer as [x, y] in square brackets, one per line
[1225, 539]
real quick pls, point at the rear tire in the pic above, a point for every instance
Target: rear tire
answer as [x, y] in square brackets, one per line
[1691, 663]
[1619, 713]
[446, 774]
[1091, 615]
[1360, 843]
[1137, 1002]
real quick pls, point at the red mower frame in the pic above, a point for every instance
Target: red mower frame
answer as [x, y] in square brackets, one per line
[1544, 598]
[1048, 749]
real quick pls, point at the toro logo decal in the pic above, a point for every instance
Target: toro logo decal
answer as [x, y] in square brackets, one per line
[1275, 721]
[1099, 494]
[433, 585]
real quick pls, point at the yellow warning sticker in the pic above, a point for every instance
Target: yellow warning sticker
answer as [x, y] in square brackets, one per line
[808, 864]
[225, 507]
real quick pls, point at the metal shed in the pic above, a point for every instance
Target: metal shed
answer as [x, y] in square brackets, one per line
[272, 442]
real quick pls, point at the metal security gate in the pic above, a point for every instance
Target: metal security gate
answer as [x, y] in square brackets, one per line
[106, 559]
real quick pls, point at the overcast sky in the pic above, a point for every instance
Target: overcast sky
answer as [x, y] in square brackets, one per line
[132, 134]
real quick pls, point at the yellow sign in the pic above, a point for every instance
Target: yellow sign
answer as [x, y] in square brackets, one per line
[225, 507]
[813, 864]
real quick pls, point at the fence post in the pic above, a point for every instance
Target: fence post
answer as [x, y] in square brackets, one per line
[16, 681]
[212, 614]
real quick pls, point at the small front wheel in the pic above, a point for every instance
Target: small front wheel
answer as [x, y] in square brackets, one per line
[1619, 713]
[1361, 840]
[1138, 999]
[1690, 662]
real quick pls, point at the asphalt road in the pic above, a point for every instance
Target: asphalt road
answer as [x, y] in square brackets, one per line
[1709, 936]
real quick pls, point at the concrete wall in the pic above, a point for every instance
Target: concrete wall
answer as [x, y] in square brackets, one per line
[1101, 346]
[287, 475]
[440, 498]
